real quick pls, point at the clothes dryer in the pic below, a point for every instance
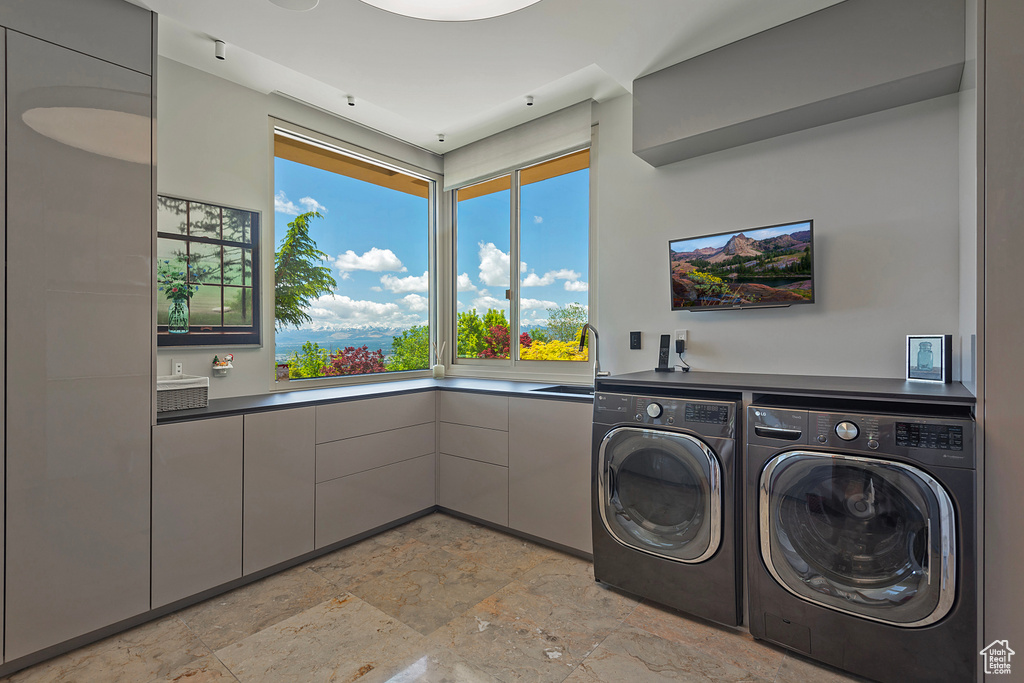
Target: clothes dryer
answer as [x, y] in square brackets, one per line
[860, 540]
[665, 501]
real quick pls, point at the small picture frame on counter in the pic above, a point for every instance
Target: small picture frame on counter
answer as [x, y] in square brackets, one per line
[930, 358]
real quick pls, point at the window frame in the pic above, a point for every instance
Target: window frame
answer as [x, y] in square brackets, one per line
[434, 182]
[221, 335]
[515, 367]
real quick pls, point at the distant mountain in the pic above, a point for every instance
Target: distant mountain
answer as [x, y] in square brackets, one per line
[741, 245]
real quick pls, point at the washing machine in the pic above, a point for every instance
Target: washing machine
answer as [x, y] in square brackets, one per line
[861, 539]
[665, 501]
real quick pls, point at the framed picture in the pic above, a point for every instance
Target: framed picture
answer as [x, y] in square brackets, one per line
[930, 358]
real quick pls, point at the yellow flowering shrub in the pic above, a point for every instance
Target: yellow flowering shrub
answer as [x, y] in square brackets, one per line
[552, 350]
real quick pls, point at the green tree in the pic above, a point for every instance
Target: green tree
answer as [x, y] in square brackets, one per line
[297, 277]
[411, 349]
[310, 362]
[471, 333]
[564, 323]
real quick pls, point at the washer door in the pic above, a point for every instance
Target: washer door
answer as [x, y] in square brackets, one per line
[872, 538]
[660, 492]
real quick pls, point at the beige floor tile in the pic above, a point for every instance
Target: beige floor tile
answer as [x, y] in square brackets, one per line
[516, 635]
[204, 670]
[506, 553]
[436, 529]
[342, 639]
[367, 559]
[634, 655]
[143, 653]
[430, 589]
[729, 644]
[435, 665]
[233, 616]
[797, 669]
[570, 580]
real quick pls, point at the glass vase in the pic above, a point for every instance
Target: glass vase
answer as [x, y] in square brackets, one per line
[177, 317]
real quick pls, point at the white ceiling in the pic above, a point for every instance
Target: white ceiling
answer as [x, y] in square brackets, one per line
[413, 79]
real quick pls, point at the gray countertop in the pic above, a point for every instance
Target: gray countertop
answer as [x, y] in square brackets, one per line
[873, 388]
[240, 405]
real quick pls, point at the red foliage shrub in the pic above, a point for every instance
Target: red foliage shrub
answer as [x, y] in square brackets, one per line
[353, 361]
[524, 340]
[496, 342]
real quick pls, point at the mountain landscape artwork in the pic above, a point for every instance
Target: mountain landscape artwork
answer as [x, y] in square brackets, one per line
[769, 266]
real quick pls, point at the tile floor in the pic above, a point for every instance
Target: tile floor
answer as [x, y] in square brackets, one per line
[437, 600]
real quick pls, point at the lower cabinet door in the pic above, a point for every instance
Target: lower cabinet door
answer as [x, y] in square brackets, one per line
[197, 507]
[279, 485]
[474, 488]
[350, 505]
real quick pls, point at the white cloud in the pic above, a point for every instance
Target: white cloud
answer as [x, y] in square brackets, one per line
[339, 312]
[536, 304]
[534, 280]
[413, 283]
[415, 302]
[311, 204]
[284, 205]
[482, 303]
[538, 219]
[495, 265]
[465, 284]
[374, 260]
[576, 286]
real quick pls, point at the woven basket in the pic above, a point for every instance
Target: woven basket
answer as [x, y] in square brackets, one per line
[180, 392]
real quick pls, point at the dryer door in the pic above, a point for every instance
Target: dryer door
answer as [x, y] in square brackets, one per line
[872, 538]
[660, 492]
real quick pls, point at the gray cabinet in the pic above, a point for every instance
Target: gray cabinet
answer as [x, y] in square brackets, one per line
[350, 505]
[375, 463]
[79, 336]
[475, 488]
[473, 460]
[549, 470]
[279, 486]
[197, 507]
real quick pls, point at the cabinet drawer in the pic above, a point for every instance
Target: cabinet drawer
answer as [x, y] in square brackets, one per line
[355, 418]
[361, 453]
[474, 488]
[477, 410]
[347, 506]
[475, 443]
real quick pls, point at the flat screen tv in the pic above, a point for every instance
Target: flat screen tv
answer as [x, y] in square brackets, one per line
[769, 266]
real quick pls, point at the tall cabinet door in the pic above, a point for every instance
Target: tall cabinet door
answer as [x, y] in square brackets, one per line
[3, 304]
[79, 343]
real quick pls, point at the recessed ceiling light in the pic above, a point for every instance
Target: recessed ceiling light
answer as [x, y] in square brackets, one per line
[297, 5]
[450, 10]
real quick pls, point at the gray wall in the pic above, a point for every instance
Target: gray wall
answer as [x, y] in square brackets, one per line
[969, 204]
[214, 144]
[882, 190]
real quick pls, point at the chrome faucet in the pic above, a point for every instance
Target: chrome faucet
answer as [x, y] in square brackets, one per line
[597, 356]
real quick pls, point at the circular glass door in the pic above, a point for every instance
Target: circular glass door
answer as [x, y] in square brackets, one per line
[873, 538]
[660, 492]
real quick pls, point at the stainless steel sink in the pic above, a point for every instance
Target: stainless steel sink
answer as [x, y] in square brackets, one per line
[567, 389]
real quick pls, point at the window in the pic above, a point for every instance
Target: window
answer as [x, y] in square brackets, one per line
[207, 271]
[542, 246]
[352, 274]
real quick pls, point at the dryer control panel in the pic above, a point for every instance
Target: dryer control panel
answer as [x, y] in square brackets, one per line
[708, 418]
[931, 440]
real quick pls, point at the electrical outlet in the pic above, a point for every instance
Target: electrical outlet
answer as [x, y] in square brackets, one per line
[177, 367]
[681, 334]
[634, 340]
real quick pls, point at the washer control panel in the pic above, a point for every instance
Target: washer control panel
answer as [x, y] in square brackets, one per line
[709, 418]
[932, 440]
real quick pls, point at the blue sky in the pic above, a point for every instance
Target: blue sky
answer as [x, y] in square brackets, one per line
[717, 241]
[377, 242]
